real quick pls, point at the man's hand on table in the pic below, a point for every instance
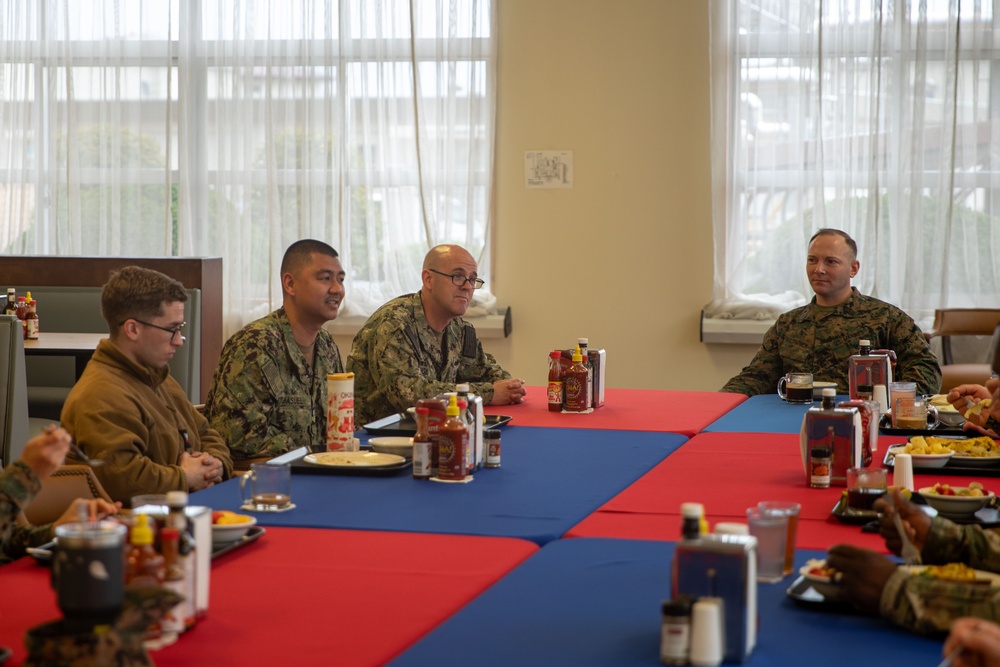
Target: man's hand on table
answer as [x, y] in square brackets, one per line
[862, 574]
[201, 469]
[509, 391]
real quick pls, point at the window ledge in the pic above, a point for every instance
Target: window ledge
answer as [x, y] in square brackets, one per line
[487, 326]
[733, 332]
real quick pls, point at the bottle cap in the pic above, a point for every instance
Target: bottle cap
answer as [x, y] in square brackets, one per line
[169, 533]
[462, 388]
[491, 434]
[692, 510]
[423, 411]
[27, 296]
[142, 534]
[452, 409]
[463, 404]
[864, 343]
[582, 341]
[576, 354]
[555, 354]
[820, 452]
[177, 498]
[829, 391]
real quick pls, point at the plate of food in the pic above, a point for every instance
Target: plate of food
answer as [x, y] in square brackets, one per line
[978, 451]
[821, 578]
[354, 459]
[923, 454]
[956, 500]
[959, 573]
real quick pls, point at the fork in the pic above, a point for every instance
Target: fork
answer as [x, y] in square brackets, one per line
[78, 453]
[910, 553]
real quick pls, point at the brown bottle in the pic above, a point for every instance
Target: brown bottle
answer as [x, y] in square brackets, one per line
[454, 438]
[435, 416]
[576, 384]
[31, 321]
[555, 391]
[422, 447]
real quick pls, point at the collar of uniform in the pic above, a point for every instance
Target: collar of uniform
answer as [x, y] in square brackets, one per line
[848, 308]
[292, 347]
[109, 353]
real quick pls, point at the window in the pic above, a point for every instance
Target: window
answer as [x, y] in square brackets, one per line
[233, 128]
[879, 118]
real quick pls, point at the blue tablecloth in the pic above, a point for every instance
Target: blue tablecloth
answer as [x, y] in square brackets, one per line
[550, 480]
[766, 413]
[586, 601]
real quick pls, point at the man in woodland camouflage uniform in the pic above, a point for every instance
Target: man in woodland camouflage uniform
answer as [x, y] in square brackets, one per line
[268, 395]
[877, 585]
[418, 346]
[819, 337]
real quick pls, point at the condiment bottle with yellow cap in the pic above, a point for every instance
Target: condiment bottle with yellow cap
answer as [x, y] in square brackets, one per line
[453, 438]
[577, 376]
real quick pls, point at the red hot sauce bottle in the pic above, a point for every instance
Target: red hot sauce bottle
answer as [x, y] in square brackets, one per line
[453, 441]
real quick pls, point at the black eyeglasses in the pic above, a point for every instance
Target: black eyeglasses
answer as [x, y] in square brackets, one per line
[458, 280]
[173, 332]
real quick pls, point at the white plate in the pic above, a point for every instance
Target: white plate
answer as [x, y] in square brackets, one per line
[818, 388]
[924, 460]
[977, 461]
[353, 459]
[398, 445]
[825, 586]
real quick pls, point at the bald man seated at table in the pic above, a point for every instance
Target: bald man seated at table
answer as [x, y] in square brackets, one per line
[877, 585]
[418, 346]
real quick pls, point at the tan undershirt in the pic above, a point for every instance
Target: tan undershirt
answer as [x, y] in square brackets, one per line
[308, 351]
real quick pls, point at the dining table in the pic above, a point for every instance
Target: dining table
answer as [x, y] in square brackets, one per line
[562, 555]
[306, 596]
[596, 602]
[80, 346]
[549, 480]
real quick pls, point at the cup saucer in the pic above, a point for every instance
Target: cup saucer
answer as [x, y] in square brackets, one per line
[253, 508]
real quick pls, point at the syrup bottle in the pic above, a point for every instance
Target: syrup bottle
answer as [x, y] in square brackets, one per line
[452, 441]
[555, 391]
[422, 447]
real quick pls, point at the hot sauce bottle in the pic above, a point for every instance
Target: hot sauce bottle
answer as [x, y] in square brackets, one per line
[422, 447]
[555, 382]
[454, 438]
[576, 384]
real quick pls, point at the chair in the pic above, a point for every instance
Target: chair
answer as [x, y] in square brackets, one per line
[955, 322]
[60, 489]
[13, 390]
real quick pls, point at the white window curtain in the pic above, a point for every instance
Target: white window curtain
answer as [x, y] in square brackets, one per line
[234, 127]
[878, 117]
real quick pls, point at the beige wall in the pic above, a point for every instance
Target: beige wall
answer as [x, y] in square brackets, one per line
[625, 257]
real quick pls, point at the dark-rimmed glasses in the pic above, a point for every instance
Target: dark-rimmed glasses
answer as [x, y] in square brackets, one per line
[458, 280]
[173, 332]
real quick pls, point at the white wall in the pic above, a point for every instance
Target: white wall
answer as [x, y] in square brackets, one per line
[625, 257]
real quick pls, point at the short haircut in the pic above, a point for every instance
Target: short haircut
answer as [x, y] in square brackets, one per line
[300, 253]
[133, 292]
[830, 231]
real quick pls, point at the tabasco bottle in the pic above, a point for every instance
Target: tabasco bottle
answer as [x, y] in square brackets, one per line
[422, 447]
[22, 310]
[454, 438]
[31, 321]
[555, 382]
[577, 375]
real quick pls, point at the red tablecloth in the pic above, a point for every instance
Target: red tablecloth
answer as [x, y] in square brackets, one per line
[744, 468]
[684, 412]
[337, 596]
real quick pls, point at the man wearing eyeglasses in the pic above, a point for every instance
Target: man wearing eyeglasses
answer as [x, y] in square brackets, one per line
[127, 411]
[268, 395]
[418, 346]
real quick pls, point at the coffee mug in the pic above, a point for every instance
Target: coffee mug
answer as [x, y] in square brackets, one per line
[267, 487]
[796, 388]
[914, 413]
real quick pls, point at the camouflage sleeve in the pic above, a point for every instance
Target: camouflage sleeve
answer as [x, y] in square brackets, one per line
[915, 360]
[397, 368]
[948, 542]
[929, 605]
[481, 372]
[240, 405]
[22, 536]
[18, 485]
[762, 374]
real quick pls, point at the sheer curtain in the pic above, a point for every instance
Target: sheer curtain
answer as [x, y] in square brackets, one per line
[876, 117]
[235, 127]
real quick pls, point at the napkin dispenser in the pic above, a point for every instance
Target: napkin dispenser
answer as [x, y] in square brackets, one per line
[200, 518]
[598, 359]
[723, 566]
[840, 429]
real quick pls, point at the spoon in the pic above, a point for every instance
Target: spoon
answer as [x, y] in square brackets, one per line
[78, 453]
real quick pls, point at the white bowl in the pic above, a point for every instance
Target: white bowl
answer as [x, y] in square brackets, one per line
[818, 388]
[823, 585]
[951, 418]
[954, 505]
[224, 533]
[925, 460]
[400, 446]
